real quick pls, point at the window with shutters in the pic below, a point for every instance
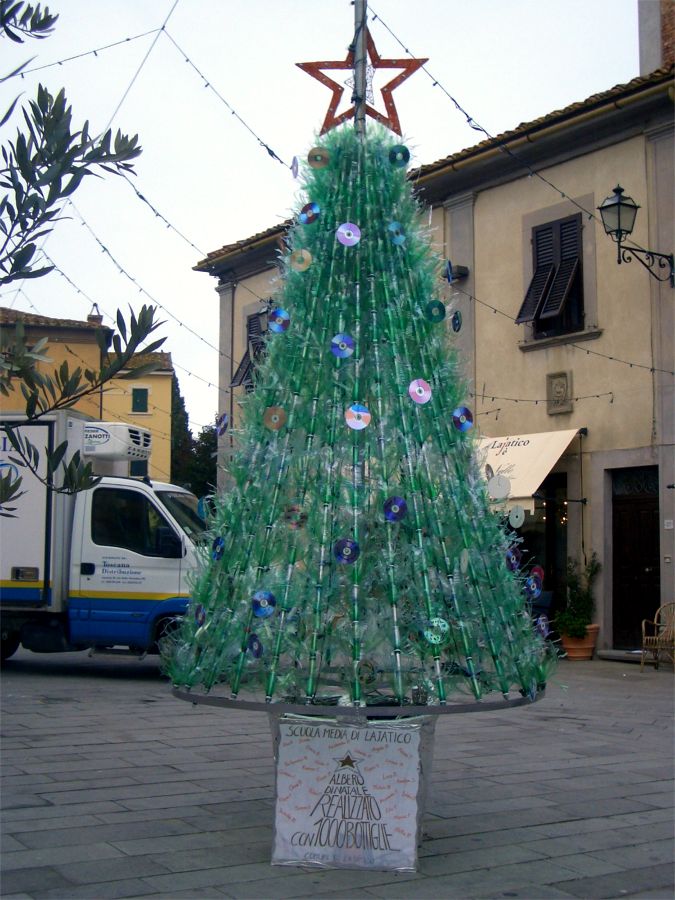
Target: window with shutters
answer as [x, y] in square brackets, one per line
[553, 302]
[256, 328]
[139, 400]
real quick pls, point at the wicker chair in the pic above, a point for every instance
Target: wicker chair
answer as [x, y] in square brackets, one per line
[658, 636]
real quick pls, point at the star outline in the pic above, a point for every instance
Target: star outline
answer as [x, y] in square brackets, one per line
[391, 120]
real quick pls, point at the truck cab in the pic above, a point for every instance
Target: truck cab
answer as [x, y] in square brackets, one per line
[132, 550]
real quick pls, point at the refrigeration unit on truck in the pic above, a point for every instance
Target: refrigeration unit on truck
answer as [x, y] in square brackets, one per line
[106, 568]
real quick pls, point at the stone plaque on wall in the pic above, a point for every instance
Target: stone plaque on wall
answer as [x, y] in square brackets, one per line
[559, 393]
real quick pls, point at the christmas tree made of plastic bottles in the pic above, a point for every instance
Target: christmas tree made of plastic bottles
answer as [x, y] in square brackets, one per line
[354, 557]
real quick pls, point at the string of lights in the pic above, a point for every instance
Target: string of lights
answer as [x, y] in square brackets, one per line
[484, 394]
[142, 64]
[210, 87]
[470, 121]
[153, 406]
[112, 319]
[141, 289]
[125, 390]
[95, 52]
[503, 147]
[159, 215]
[616, 359]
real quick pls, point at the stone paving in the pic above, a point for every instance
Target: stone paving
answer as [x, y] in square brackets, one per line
[113, 788]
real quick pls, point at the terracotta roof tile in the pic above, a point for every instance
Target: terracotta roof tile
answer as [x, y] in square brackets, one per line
[161, 360]
[552, 118]
[10, 316]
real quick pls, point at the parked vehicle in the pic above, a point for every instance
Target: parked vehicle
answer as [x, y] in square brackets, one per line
[105, 568]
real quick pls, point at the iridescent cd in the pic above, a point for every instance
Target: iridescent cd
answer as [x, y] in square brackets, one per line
[357, 416]
[396, 233]
[499, 487]
[300, 260]
[218, 548]
[395, 508]
[274, 418]
[542, 625]
[399, 156]
[318, 157]
[437, 631]
[309, 213]
[419, 390]
[200, 614]
[434, 311]
[533, 586]
[342, 345]
[346, 551]
[456, 321]
[295, 516]
[263, 604]
[295, 167]
[255, 646]
[537, 570]
[221, 424]
[348, 234]
[278, 320]
[516, 516]
[513, 558]
[462, 418]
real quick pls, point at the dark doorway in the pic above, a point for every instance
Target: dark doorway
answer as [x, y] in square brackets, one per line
[635, 547]
[544, 537]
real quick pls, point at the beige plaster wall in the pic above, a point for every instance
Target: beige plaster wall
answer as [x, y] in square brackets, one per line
[502, 251]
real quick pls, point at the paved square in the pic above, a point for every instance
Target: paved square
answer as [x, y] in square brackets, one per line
[113, 788]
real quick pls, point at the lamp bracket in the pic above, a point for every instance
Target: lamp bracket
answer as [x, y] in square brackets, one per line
[652, 261]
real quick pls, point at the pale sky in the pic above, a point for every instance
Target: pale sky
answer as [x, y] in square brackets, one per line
[504, 61]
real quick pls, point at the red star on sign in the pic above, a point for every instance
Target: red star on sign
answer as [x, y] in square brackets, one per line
[391, 120]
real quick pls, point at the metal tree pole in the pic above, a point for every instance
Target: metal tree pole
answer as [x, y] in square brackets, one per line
[360, 60]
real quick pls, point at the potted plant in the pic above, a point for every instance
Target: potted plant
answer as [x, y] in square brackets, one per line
[574, 622]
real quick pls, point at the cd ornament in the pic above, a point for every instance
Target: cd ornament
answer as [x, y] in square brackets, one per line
[359, 563]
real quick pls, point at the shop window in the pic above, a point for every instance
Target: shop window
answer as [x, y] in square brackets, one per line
[139, 400]
[554, 302]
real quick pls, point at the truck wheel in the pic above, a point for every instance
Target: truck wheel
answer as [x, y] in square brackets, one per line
[164, 635]
[10, 644]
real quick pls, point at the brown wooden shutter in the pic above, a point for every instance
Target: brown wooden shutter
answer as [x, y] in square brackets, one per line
[569, 253]
[255, 329]
[560, 289]
[243, 371]
[544, 269]
[536, 291]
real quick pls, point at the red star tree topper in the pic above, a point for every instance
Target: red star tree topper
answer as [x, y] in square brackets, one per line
[391, 120]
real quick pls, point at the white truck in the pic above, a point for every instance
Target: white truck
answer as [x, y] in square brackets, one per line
[104, 569]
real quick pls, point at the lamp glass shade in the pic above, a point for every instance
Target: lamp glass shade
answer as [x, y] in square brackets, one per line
[618, 214]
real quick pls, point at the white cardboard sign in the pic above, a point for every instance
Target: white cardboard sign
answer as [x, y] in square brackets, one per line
[347, 795]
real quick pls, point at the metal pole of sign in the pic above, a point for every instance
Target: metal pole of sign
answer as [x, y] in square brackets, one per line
[360, 61]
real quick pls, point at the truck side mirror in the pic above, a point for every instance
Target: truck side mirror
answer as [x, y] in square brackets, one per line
[169, 544]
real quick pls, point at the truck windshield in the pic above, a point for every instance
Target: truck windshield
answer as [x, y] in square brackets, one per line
[183, 507]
